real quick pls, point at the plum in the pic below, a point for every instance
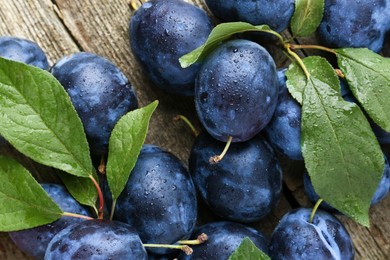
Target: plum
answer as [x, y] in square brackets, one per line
[276, 14]
[284, 129]
[23, 50]
[159, 199]
[96, 239]
[324, 238]
[224, 237]
[355, 24]
[99, 91]
[160, 33]
[236, 90]
[242, 187]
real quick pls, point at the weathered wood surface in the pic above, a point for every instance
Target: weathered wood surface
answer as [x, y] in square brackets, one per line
[62, 27]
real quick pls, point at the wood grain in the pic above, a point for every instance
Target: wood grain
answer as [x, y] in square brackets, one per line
[63, 27]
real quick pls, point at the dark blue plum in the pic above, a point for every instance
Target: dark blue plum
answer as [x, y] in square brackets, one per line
[245, 185]
[100, 93]
[361, 23]
[97, 240]
[296, 238]
[284, 129]
[159, 199]
[236, 90]
[34, 241]
[23, 50]
[161, 31]
[380, 193]
[277, 14]
[223, 239]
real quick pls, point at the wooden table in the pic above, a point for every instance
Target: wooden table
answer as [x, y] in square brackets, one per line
[62, 27]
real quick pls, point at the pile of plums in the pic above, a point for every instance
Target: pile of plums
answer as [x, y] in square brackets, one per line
[240, 97]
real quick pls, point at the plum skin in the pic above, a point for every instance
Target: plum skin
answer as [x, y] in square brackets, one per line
[237, 77]
[276, 14]
[245, 185]
[100, 93]
[159, 199]
[96, 239]
[160, 33]
[23, 50]
[325, 238]
[223, 239]
[284, 129]
[34, 241]
[364, 24]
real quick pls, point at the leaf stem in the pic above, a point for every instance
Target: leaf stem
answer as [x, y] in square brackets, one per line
[315, 208]
[186, 249]
[189, 124]
[100, 194]
[74, 215]
[280, 38]
[113, 209]
[199, 240]
[218, 158]
[298, 60]
[310, 46]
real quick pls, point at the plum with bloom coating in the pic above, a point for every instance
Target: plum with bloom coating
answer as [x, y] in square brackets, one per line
[224, 237]
[161, 31]
[99, 91]
[97, 240]
[324, 238]
[159, 199]
[245, 185]
[236, 90]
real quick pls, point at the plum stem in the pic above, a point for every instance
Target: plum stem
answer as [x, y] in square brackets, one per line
[298, 60]
[186, 249]
[188, 123]
[339, 73]
[135, 4]
[310, 46]
[199, 240]
[315, 208]
[74, 215]
[100, 195]
[218, 158]
[102, 165]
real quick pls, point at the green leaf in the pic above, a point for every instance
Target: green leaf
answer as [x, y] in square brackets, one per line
[248, 251]
[81, 188]
[296, 85]
[38, 119]
[307, 17]
[24, 203]
[341, 153]
[368, 76]
[125, 144]
[220, 33]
